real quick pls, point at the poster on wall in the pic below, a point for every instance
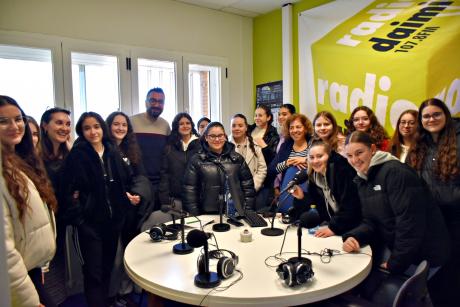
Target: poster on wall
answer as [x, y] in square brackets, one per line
[271, 95]
[387, 55]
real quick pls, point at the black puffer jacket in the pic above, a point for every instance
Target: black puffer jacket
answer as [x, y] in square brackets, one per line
[204, 181]
[102, 199]
[175, 161]
[339, 177]
[398, 212]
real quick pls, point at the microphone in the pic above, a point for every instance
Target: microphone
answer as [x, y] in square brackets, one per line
[308, 219]
[204, 278]
[221, 226]
[175, 212]
[299, 178]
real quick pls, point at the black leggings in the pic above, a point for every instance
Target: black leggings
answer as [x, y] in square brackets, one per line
[36, 277]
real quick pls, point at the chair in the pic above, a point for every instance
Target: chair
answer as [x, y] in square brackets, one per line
[412, 292]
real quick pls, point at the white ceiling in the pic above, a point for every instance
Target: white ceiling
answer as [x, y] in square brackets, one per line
[248, 8]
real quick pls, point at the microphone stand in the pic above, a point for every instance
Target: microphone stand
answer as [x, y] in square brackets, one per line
[182, 248]
[221, 226]
[207, 279]
[272, 231]
[174, 225]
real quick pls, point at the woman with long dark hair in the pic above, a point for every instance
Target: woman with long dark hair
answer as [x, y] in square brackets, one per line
[436, 157]
[363, 119]
[94, 198]
[405, 133]
[204, 182]
[29, 205]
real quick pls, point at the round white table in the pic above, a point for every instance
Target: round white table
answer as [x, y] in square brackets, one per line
[154, 267]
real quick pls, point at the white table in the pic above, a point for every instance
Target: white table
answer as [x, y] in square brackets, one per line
[156, 269]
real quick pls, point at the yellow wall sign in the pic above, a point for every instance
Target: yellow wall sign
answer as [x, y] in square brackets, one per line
[390, 56]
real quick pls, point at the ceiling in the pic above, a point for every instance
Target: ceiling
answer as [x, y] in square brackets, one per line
[248, 8]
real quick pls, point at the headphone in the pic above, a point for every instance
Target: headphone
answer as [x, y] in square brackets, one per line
[295, 272]
[163, 232]
[225, 266]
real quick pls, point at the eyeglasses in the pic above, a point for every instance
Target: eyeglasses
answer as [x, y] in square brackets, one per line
[435, 115]
[358, 119]
[154, 100]
[409, 123]
[6, 121]
[215, 137]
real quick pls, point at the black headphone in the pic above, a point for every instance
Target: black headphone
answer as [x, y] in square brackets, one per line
[225, 266]
[163, 232]
[295, 272]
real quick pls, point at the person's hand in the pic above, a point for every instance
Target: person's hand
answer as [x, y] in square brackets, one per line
[324, 232]
[297, 192]
[300, 162]
[133, 199]
[384, 266]
[41, 305]
[277, 192]
[260, 142]
[351, 245]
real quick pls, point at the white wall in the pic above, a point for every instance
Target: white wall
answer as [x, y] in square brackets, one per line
[160, 24]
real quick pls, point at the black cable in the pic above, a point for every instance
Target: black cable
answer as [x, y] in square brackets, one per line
[223, 288]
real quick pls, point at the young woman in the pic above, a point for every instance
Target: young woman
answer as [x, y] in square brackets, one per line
[252, 154]
[204, 179]
[28, 205]
[325, 128]
[397, 212]
[94, 198]
[404, 137]
[332, 189]
[35, 130]
[202, 123]
[294, 151]
[263, 133]
[182, 144]
[436, 158]
[55, 146]
[363, 119]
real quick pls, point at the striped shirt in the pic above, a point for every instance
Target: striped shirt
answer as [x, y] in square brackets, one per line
[282, 166]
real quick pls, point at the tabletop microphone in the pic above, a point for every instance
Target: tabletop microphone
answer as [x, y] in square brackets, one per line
[307, 220]
[299, 178]
[175, 212]
[204, 278]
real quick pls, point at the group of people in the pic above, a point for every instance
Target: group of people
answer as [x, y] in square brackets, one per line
[122, 175]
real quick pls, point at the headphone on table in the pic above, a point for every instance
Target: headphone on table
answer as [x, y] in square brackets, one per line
[225, 266]
[295, 272]
[163, 232]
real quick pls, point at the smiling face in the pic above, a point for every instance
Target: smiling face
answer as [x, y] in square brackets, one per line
[323, 128]
[317, 158]
[361, 121]
[35, 133]
[119, 128]
[58, 128]
[283, 115]
[12, 126]
[185, 127]
[433, 119]
[359, 156]
[239, 128]
[202, 126]
[297, 130]
[407, 125]
[92, 131]
[216, 139]
[261, 118]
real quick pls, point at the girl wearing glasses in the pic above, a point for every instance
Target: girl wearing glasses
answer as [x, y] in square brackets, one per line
[363, 119]
[436, 157]
[404, 135]
[28, 204]
[205, 179]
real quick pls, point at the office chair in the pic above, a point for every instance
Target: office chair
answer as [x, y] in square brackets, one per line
[412, 292]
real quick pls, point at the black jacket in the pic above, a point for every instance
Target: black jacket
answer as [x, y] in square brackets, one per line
[339, 177]
[102, 187]
[272, 139]
[175, 161]
[398, 212]
[204, 181]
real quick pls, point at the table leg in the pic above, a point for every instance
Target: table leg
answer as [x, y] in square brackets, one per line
[155, 300]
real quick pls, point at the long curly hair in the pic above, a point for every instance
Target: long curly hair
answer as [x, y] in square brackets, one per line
[333, 138]
[47, 152]
[175, 138]
[376, 130]
[305, 122]
[128, 145]
[248, 135]
[397, 138]
[23, 163]
[446, 166]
